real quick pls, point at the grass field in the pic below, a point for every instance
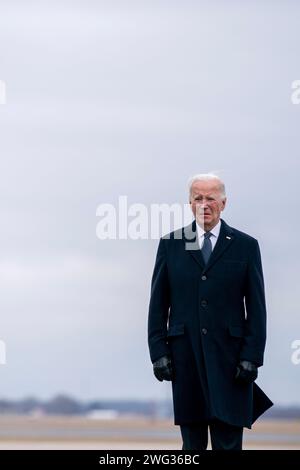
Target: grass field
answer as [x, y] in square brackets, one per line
[22, 432]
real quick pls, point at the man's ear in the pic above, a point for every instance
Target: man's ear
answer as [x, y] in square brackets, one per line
[224, 203]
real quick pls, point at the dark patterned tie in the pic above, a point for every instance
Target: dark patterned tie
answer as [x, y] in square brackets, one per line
[206, 247]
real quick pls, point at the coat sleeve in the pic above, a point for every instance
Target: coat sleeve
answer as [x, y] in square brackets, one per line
[159, 306]
[255, 326]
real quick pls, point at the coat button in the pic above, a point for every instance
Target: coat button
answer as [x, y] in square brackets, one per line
[204, 331]
[203, 303]
[203, 278]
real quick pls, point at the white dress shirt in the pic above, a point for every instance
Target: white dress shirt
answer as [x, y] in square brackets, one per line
[214, 237]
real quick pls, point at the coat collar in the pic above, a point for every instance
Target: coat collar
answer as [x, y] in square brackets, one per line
[190, 240]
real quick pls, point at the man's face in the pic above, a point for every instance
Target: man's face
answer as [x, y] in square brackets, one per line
[206, 203]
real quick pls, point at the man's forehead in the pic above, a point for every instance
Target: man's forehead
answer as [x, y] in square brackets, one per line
[200, 187]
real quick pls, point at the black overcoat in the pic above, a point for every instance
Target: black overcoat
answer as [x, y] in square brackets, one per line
[207, 318]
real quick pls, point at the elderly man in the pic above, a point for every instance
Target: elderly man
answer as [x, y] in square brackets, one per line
[207, 322]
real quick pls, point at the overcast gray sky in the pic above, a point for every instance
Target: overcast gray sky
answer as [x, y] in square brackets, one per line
[132, 98]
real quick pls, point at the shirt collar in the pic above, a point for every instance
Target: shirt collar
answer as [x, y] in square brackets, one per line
[215, 231]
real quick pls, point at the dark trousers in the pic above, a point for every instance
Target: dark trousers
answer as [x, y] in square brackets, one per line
[223, 436]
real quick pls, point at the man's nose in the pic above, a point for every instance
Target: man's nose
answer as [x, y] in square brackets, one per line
[202, 207]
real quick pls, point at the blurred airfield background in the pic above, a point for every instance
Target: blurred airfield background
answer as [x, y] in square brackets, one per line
[60, 432]
[66, 423]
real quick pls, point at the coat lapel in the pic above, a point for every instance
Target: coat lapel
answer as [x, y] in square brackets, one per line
[191, 241]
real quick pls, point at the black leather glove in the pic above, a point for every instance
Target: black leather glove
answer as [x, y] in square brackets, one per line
[162, 368]
[246, 372]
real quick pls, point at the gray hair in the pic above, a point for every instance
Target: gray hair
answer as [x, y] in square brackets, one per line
[207, 177]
